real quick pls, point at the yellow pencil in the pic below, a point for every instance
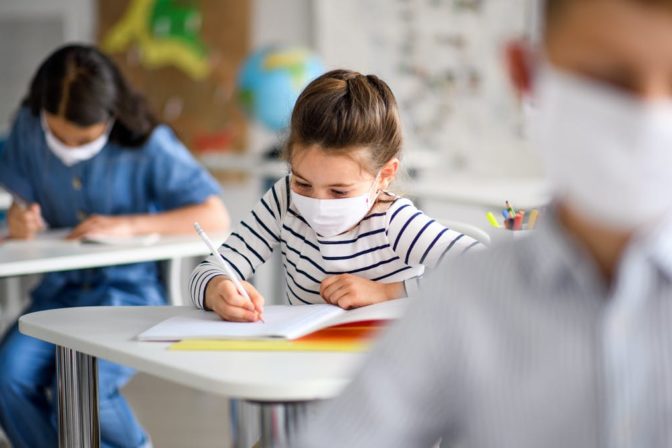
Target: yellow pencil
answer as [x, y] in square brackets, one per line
[533, 219]
[492, 220]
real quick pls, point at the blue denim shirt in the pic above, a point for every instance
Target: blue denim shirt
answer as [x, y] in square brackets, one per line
[160, 175]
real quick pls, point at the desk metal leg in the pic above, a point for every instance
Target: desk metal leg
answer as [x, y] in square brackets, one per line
[277, 423]
[77, 377]
[174, 280]
[10, 301]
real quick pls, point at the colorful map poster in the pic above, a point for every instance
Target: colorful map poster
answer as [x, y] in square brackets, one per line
[184, 55]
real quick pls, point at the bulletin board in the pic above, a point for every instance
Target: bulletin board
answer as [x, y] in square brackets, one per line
[444, 61]
[183, 55]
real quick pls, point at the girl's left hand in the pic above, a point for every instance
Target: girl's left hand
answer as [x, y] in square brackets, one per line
[104, 225]
[349, 291]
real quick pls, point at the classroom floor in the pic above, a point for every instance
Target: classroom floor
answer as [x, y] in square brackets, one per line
[178, 416]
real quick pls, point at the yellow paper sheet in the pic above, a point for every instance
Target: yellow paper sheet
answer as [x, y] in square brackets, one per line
[272, 346]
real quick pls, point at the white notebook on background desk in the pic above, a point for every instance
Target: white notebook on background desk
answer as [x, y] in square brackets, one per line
[58, 236]
[110, 240]
[281, 322]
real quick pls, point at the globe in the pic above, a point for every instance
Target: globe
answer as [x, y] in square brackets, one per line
[271, 80]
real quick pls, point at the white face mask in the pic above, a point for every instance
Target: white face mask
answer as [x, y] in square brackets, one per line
[607, 155]
[331, 217]
[71, 155]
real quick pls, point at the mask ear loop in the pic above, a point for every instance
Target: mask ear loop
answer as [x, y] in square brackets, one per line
[377, 192]
[43, 122]
[110, 125]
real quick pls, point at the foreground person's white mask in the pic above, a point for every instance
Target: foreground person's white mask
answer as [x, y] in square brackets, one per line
[71, 155]
[607, 155]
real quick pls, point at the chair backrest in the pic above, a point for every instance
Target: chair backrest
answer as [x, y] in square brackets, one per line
[471, 230]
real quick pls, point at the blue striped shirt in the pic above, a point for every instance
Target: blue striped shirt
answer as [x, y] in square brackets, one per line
[393, 243]
[523, 346]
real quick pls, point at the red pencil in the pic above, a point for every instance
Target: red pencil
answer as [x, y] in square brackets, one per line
[518, 222]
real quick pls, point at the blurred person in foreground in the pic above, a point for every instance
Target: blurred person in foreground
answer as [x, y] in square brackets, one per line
[563, 339]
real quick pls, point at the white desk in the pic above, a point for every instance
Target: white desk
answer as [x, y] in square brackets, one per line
[50, 253]
[485, 192]
[282, 383]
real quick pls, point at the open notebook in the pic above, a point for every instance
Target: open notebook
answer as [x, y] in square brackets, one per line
[281, 322]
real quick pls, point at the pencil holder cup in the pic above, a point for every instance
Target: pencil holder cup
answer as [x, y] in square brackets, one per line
[501, 235]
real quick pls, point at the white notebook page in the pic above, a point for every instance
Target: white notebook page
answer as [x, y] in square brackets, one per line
[280, 321]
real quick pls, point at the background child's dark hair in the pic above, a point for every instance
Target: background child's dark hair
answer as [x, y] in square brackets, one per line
[343, 109]
[83, 86]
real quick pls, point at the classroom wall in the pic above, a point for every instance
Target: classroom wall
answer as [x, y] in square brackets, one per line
[444, 60]
[30, 29]
[285, 21]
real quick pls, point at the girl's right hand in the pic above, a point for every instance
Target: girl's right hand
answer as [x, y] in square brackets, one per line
[222, 297]
[24, 223]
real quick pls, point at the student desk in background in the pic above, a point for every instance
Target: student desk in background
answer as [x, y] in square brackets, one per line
[281, 384]
[50, 253]
[483, 192]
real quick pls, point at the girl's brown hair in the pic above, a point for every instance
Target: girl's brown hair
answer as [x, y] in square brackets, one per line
[343, 109]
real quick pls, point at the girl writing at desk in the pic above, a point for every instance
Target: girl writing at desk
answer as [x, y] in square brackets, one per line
[85, 153]
[345, 239]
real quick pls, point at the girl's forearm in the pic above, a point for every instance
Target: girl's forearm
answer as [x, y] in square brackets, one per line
[395, 290]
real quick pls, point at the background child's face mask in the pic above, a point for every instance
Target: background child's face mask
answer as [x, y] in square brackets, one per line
[71, 155]
[331, 217]
[607, 155]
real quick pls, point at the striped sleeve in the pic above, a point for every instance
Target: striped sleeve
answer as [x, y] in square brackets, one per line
[420, 240]
[249, 246]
